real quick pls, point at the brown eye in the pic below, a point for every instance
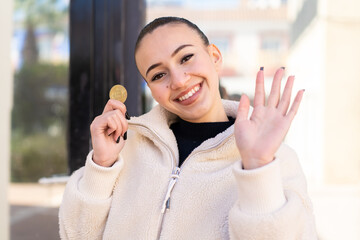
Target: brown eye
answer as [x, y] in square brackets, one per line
[186, 58]
[157, 76]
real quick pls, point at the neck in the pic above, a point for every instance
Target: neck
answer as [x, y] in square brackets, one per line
[217, 114]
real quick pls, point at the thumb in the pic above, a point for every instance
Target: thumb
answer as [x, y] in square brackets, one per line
[243, 109]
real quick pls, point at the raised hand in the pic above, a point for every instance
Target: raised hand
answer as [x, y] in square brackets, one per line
[107, 133]
[259, 137]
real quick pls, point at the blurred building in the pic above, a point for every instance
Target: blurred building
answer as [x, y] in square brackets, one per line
[325, 55]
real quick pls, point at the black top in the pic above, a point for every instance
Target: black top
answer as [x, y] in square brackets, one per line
[190, 135]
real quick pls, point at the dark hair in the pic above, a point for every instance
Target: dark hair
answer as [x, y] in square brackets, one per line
[158, 22]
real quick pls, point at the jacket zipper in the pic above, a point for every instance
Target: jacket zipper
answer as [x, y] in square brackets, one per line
[173, 179]
[175, 176]
[176, 171]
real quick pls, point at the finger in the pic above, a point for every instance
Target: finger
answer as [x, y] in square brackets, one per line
[243, 109]
[259, 98]
[118, 118]
[286, 96]
[123, 122]
[112, 126]
[295, 105]
[117, 124]
[274, 95]
[113, 104]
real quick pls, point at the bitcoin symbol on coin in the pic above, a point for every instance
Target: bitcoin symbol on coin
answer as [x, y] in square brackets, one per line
[118, 92]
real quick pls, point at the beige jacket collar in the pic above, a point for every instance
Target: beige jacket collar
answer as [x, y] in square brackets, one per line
[152, 125]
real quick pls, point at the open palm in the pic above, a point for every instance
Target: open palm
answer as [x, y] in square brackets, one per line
[259, 137]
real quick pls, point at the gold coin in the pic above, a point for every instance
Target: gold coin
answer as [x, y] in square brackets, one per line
[118, 92]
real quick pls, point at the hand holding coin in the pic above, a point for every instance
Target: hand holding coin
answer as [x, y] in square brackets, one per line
[107, 128]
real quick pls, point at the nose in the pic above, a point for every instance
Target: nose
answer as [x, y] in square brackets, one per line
[179, 79]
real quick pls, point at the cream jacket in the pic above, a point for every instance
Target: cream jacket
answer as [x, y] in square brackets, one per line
[145, 196]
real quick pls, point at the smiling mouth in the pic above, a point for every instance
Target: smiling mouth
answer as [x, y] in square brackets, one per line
[189, 93]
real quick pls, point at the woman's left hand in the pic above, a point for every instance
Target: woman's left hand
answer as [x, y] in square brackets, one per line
[259, 137]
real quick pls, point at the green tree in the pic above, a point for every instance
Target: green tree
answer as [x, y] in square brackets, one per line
[48, 14]
[36, 156]
[40, 106]
[40, 98]
[30, 52]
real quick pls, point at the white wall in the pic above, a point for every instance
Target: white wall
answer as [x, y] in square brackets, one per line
[325, 60]
[342, 111]
[307, 62]
[326, 133]
[5, 109]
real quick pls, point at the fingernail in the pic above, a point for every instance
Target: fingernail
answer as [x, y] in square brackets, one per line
[127, 116]
[125, 135]
[261, 68]
[283, 68]
[118, 140]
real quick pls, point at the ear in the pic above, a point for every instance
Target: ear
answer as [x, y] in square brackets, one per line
[216, 56]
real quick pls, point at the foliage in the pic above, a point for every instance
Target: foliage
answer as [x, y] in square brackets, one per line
[37, 155]
[40, 98]
[49, 13]
[40, 106]
[30, 52]
[34, 14]
[39, 120]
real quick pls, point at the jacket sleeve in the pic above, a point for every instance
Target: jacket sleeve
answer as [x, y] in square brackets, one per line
[87, 199]
[272, 203]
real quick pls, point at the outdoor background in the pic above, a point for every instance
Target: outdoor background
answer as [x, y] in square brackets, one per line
[316, 40]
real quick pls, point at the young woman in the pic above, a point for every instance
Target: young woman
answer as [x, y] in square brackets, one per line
[195, 166]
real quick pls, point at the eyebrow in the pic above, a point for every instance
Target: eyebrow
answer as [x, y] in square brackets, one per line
[172, 55]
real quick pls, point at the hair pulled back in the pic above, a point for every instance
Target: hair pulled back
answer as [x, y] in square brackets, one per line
[158, 22]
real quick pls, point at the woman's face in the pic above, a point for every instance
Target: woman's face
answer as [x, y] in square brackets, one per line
[182, 73]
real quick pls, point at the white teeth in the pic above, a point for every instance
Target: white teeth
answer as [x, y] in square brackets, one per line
[190, 93]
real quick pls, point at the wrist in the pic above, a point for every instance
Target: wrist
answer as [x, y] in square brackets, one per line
[102, 163]
[253, 163]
